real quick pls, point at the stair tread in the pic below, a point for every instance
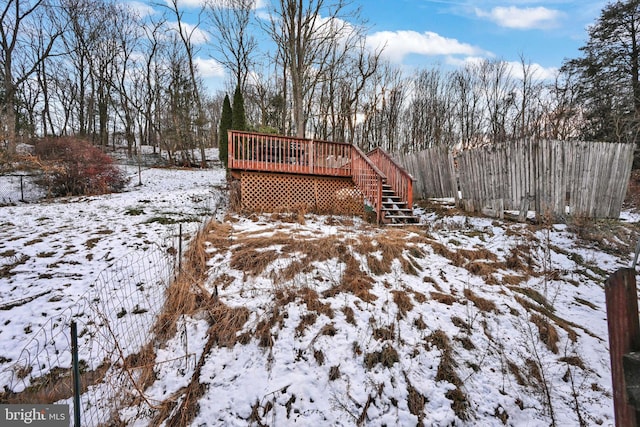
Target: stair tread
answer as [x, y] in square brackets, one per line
[410, 211]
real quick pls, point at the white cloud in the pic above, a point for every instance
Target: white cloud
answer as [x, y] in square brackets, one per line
[209, 67]
[188, 3]
[141, 9]
[398, 44]
[536, 71]
[522, 18]
[258, 4]
[197, 35]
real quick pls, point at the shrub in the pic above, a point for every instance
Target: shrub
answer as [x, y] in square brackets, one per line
[74, 167]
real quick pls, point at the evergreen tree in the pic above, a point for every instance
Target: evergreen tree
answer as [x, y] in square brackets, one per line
[239, 121]
[609, 74]
[226, 119]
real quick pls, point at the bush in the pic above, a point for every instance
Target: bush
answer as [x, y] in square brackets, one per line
[74, 167]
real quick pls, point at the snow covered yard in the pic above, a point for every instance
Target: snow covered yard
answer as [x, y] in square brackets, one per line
[461, 321]
[318, 320]
[52, 254]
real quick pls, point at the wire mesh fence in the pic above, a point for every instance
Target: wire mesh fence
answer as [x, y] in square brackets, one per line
[16, 188]
[115, 323]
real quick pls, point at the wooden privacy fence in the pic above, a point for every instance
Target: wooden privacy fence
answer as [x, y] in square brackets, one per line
[586, 179]
[433, 171]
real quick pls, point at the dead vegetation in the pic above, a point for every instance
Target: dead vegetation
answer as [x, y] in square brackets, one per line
[366, 267]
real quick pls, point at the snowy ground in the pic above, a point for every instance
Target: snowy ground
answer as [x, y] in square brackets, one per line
[52, 254]
[332, 321]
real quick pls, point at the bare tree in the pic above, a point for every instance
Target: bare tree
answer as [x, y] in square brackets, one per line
[561, 117]
[235, 44]
[499, 97]
[186, 35]
[19, 57]
[529, 98]
[306, 40]
[430, 110]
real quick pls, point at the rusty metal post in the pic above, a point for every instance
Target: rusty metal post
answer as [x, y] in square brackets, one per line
[624, 337]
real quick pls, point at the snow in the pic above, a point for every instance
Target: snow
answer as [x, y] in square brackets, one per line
[321, 371]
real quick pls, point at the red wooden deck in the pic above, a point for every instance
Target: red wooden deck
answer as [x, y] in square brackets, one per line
[250, 151]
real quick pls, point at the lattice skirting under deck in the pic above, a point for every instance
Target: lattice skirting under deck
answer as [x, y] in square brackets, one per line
[265, 192]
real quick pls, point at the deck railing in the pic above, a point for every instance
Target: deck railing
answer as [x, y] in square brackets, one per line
[275, 153]
[398, 178]
[282, 154]
[368, 179]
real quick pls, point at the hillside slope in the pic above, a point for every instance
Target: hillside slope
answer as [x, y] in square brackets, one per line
[311, 320]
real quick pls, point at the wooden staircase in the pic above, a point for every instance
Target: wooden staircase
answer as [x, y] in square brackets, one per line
[394, 210]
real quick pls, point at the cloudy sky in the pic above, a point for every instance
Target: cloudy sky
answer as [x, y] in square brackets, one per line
[454, 31]
[447, 33]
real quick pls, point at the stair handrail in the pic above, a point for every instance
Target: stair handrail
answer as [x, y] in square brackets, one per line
[398, 178]
[368, 179]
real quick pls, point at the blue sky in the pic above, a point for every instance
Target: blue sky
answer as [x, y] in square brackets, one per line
[419, 32]
[448, 33]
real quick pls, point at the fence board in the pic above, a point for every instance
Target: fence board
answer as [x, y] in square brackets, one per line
[584, 178]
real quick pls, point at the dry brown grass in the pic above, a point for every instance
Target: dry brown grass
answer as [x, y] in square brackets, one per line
[388, 356]
[54, 386]
[443, 298]
[306, 320]
[455, 257]
[385, 333]
[521, 259]
[378, 266]
[186, 295]
[482, 269]
[512, 279]
[403, 301]
[349, 315]
[419, 323]
[418, 296]
[573, 361]
[533, 295]
[515, 371]
[381, 250]
[251, 261]
[476, 254]
[569, 327]
[6, 269]
[482, 304]
[548, 333]
[447, 372]
[311, 298]
[612, 237]
[264, 331]
[226, 323]
[353, 281]
[415, 400]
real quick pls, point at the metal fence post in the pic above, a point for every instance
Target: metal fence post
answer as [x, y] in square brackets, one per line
[76, 374]
[21, 188]
[180, 249]
[624, 337]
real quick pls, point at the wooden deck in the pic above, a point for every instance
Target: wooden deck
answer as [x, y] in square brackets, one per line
[373, 175]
